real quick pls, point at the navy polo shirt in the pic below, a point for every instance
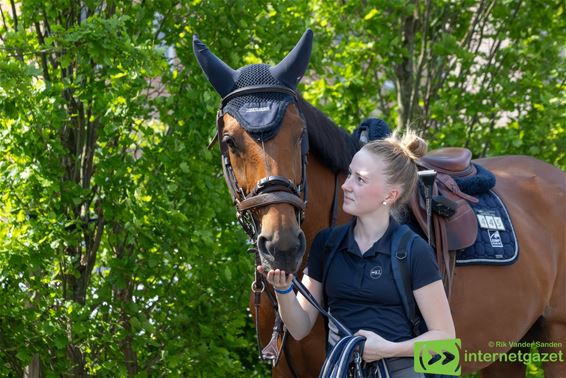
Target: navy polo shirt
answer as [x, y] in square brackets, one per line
[361, 290]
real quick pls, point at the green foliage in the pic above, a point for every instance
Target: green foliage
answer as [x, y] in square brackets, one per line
[485, 75]
[119, 250]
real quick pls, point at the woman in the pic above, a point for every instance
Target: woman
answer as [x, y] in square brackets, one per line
[359, 287]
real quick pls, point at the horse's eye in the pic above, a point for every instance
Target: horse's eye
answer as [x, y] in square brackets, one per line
[229, 141]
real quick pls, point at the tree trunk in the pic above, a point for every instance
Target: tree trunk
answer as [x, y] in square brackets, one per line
[404, 71]
[34, 370]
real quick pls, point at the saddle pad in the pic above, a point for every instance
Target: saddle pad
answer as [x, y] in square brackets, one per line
[496, 243]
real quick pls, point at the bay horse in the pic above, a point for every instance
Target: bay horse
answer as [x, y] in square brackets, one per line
[266, 171]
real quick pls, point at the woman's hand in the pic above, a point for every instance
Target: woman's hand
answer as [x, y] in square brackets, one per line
[277, 278]
[375, 347]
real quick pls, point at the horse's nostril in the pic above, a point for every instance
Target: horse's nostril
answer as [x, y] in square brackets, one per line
[301, 242]
[282, 250]
[275, 244]
[262, 245]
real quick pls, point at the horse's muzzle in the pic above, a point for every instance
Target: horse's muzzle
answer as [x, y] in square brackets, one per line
[282, 250]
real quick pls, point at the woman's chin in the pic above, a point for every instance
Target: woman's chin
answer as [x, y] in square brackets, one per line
[348, 209]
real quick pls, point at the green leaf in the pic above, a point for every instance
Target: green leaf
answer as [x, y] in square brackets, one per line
[371, 14]
[184, 167]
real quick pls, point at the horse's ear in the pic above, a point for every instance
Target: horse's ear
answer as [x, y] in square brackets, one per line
[220, 75]
[292, 68]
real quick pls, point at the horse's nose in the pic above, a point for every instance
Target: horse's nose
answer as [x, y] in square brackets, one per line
[282, 241]
[282, 249]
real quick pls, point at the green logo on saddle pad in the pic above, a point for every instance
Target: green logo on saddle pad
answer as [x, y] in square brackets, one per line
[438, 357]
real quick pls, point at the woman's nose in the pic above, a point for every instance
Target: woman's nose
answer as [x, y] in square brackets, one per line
[346, 185]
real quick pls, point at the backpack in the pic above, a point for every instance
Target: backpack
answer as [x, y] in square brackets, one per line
[401, 244]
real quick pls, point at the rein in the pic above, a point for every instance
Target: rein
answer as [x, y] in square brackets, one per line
[348, 349]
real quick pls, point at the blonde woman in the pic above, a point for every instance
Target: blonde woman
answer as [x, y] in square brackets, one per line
[359, 286]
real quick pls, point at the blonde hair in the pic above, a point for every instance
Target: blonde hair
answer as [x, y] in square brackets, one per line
[400, 154]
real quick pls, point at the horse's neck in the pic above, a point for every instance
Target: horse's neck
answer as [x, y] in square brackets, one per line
[331, 150]
[321, 186]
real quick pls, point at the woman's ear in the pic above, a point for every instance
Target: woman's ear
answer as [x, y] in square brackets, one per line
[393, 194]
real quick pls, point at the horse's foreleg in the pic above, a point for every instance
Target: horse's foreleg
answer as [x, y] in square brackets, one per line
[554, 320]
[303, 358]
[555, 353]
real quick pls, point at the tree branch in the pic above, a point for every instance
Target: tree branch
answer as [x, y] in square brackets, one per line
[404, 71]
[487, 84]
[3, 18]
[467, 40]
[14, 15]
[421, 60]
[382, 103]
[43, 55]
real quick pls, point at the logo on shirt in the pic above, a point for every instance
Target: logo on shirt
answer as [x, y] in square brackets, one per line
[375, 272]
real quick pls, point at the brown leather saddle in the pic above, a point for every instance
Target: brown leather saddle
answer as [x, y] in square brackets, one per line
[458, 229]
[450, 162]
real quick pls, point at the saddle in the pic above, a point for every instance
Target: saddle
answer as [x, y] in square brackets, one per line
[454, 224]
[461, 226]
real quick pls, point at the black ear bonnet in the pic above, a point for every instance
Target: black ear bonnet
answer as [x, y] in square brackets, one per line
[260, 114]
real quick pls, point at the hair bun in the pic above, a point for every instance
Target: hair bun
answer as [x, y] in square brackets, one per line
[410, 144]
[414, 144]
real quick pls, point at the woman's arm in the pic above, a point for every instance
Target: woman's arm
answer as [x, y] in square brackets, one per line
[297, 313]
[435, 310]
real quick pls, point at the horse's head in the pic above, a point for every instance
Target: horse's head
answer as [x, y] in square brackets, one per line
[264, 144]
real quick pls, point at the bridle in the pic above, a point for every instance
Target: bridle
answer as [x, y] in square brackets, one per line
[267, 191]
[271, 189]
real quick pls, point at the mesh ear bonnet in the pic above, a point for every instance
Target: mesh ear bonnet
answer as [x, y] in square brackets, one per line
[260, 114]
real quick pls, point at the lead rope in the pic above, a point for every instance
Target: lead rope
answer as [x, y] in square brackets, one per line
[348, 349]
[257, 290]
[271, 352]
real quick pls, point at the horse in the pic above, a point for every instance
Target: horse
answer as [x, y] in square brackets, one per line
[492, 306]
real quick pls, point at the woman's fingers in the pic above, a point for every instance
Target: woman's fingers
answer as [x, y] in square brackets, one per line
[277, 277]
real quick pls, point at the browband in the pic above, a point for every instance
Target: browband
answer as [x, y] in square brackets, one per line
[257, 89]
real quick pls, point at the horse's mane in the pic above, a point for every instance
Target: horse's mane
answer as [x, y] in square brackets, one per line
[333, 145]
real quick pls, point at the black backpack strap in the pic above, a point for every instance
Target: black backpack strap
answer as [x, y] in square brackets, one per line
[333, 240]
[401, 244]
[337, 234]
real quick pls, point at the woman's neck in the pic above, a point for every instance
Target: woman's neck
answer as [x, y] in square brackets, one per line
[368, 230]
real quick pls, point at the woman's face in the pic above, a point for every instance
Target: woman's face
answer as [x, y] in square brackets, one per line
[365, 189]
